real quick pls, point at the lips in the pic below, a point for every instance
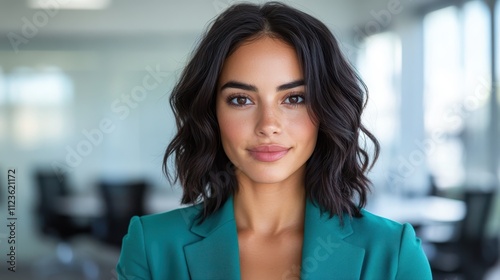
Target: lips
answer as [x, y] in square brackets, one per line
[268, 153]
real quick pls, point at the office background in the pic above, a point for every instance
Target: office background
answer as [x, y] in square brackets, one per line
[84, 88]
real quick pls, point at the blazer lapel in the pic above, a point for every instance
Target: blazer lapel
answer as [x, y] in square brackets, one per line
[325, 253]
[216, 256]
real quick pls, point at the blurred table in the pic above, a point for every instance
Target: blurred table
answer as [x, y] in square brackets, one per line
[87, 205]
[418, 210]
[91, 205]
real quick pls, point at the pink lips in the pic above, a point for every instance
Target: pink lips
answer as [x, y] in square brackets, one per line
[268, 153]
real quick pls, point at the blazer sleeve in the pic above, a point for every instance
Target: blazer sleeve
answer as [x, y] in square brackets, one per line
[133, 263]
[412, 262]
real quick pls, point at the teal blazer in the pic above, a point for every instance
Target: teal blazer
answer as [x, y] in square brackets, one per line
[172, 245]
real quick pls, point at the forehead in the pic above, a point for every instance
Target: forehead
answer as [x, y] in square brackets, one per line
[264, 59]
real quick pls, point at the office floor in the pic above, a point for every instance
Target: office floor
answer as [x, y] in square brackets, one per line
[89, 255]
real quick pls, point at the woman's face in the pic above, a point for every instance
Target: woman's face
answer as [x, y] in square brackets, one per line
[265, 129]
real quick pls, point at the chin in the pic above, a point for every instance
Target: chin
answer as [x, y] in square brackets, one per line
[268, 176]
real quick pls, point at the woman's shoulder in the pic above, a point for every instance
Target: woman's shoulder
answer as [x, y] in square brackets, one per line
[397, 241]
[380, 228]
[175, 222]
[370, 221]
[154, 245]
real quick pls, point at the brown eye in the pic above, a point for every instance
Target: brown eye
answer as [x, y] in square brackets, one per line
[294, 99]
[241, 100]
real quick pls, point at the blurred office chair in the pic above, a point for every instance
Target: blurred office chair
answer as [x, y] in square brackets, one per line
[123, 201]
[471, 252]
[53, 222]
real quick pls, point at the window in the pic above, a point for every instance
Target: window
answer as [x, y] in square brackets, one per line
[37, 99]
[457, 83]
[49, 86]
[379, 63]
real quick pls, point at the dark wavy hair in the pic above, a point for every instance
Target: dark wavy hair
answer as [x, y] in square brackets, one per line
[335, 95]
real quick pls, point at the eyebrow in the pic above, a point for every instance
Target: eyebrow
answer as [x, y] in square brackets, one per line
[249, 87]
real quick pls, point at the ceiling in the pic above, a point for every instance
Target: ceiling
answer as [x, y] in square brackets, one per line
[134, 17]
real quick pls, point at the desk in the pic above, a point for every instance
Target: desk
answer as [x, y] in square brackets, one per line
[417, 210]
[88, 205]
[91, 205]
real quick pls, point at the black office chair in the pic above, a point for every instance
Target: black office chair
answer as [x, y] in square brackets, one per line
[123, 201]
[472, 253]
[54, 223]
[52, 220]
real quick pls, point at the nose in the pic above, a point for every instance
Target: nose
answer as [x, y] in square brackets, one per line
[269, 122]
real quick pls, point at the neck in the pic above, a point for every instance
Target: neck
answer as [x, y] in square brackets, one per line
[269, 209]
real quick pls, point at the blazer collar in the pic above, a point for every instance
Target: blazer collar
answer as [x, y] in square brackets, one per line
[325, 253]
[216, 256]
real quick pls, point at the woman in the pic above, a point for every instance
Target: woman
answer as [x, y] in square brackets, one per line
[268, 149]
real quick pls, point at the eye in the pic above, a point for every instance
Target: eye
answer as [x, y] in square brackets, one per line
[239, 100]
[294, 99]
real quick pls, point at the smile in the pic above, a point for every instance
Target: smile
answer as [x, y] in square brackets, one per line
[268, 153]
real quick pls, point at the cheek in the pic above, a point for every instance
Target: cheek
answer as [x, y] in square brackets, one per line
[231, 129]
[303, 128]
[228, 130]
